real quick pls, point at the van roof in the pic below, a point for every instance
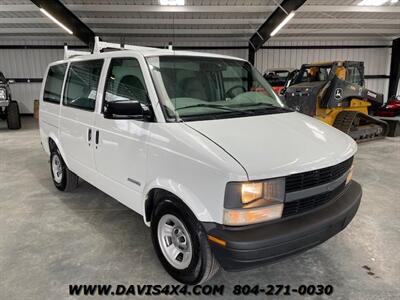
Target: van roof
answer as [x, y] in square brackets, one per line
[145, 52]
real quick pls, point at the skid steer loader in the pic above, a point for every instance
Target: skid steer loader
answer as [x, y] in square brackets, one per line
[334, 92]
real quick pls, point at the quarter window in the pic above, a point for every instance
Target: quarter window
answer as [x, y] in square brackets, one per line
[54, 83]
[82, 83]
[125, 81]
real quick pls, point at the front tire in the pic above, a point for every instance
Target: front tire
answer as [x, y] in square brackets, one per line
[181, 243]
[13, 116]
[64, 179]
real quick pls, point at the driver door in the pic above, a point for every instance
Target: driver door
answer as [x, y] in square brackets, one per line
[120, 144]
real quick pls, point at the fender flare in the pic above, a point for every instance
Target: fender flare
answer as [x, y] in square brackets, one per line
[180, 191]
[59, 147]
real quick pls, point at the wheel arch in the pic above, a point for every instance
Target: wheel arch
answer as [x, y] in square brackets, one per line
[157, 191]
[52, 143]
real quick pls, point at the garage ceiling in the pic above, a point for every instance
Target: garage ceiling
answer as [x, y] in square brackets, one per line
[217, 20]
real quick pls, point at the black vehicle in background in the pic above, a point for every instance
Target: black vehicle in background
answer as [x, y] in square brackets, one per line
[9, 109]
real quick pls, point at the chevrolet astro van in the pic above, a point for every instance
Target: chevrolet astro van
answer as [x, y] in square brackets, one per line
[221, 170]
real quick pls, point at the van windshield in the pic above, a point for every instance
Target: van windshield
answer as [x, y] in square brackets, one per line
[200, 88]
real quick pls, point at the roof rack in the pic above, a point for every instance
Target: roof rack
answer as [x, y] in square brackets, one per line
[73, 53]
[99, 45]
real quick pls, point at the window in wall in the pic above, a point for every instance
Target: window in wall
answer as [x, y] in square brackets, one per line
[82, 83]
[125, 81]
[54, 83]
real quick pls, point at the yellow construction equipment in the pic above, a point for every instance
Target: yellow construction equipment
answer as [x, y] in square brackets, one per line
[334, 92]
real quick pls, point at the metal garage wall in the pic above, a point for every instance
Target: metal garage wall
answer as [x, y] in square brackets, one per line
[377, 60]
[31, 63]
[26, 63]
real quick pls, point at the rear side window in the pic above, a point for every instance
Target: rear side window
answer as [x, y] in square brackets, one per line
[54, 83]
[82, 83]
[125, 81]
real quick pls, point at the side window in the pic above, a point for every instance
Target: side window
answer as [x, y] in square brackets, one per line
[54, 82]
[125, 81]
[82, 83]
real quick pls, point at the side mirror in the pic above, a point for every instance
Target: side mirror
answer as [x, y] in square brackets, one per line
[130, 109]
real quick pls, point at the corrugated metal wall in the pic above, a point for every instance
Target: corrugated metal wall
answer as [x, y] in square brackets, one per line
[26, 63]
[31, 63]
[376, 60]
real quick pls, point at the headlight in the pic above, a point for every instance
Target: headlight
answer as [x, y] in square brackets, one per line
[253, 202]
[3, 94]
[251, 192]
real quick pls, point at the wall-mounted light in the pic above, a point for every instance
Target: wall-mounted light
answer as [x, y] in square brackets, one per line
[56, 21]
[172, 2]
[283, 23]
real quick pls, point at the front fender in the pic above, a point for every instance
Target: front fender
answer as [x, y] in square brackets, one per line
[182, 192]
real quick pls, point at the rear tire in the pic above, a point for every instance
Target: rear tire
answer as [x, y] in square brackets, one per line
[194, 263]
[13, 116]
[64, 179]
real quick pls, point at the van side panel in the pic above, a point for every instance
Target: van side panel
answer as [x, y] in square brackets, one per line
[49, 112]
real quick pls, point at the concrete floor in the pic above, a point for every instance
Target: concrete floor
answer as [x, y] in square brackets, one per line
[50, 239]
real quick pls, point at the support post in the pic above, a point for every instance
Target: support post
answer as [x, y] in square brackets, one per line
[395, 69]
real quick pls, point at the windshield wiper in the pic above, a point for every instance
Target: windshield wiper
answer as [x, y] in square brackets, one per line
[216, 106]
[257, 104]
[267, 105]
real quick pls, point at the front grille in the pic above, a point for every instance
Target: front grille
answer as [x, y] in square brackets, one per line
[309, 203]
[310, 179]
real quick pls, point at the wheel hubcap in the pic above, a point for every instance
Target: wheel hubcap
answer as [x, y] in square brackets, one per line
[57, 169]
[174, 241]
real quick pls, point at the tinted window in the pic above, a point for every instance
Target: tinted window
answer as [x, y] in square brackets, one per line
[82, 83]
[125, 81]
[54, 82]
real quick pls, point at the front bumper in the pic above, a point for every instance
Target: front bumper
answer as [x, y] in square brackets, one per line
[250, 246]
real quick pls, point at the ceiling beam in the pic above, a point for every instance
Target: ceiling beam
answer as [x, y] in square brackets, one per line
[201, 31]
[229, 9]
[68, 19]
[263, 32]
[350, 8]
[203, 8]
[245, 21]
[18, 7]
[176, 9]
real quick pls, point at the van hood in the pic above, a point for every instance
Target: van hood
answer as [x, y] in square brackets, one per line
[278, 145]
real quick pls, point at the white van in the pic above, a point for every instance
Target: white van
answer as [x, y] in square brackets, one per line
[201, 147]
